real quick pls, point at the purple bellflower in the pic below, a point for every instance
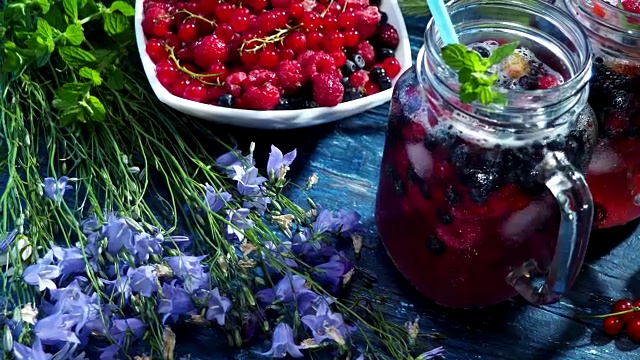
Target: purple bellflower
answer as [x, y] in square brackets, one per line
[249, 180]
[75, 306]
[326, 325]
[349, 222]
[55, 189]
[144, 280]
[35, 352]
[190, 270]
[146, 245]
[240, 219]
[288, 286]
[123, 327]
[70, 260]
[176, 302]
[325, 221]
[42, 273]
[282, 343]
[431, 354]
[121, 286]
[215, 200]
[217, 307]
[332, 273]
[118, 233]
[7, 241]
[278, 164]
[56, 329]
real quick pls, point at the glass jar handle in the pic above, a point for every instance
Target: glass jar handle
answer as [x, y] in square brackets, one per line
[576, 216]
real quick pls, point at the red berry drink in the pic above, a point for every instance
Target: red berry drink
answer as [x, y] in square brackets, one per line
[614, 173]
[468, 199]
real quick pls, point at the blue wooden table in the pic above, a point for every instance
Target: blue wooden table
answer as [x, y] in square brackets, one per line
[346, 157]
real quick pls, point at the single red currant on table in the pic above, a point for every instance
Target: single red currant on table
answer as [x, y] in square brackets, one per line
[272, 54]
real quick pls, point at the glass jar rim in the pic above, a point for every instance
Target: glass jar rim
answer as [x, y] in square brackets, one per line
[589, 8]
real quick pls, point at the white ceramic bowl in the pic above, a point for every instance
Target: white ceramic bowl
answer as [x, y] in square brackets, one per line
[275, 119]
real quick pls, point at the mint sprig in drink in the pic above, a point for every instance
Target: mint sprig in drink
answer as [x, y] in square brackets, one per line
[614, 173]
[481, 195]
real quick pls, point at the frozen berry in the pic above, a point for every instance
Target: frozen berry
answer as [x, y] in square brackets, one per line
[209, 50]
[391, 66]
[234, 83]
[359, 78]
[358, 60]
[483, 51]
[351, 94]
[262, 97]
[348, 68]
[195, 92]
[384, 82]
[214, 93]
[387, 36]
[327, 89]
[156, 51]
[258, 77]
[376, 73]
[290, 76]
[547, 82]
[226, 100]
[368, 53]
[384, 18]
[515, 66]
[383, 53]
[346, 83]
[367, 21]
[371, 88]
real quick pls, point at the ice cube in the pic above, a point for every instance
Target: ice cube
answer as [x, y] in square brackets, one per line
[421, 159]
[604, 160]
[521, 223]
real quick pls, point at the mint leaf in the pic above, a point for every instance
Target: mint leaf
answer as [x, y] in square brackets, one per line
[69, 95]
[115, 79]
[502, 52]
[467, 93]
[473, 61]
[43, 29]
[454, 56]
[44, 5]
[76, 57]
[91, 74]
[41, 48]
[13, 60]
[464, 75]
[123, 7]
[115, 23]
[74, 34]
[98, 111]
[55, 18]
[485, 95]
[499, 98]
[72, 115]
[71, 9]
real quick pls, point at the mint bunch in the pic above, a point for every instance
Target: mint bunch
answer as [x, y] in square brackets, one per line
[476, 82]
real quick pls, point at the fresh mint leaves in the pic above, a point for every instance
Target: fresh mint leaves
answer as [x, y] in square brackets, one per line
[476, 82]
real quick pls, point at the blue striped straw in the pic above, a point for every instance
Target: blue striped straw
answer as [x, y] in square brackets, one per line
[443, 22]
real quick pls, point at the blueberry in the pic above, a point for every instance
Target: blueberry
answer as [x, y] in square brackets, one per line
[527, 83]
[436, 246]
[384, 53]
[383, 17]
[351, 94]
[452, 196]
[384, 83]
[345, 82]
[483, 51]
[376, 73]
[348, 68]
[283, 104]
[309, 104]
[226, 100]
[358, 60]
[444, 217]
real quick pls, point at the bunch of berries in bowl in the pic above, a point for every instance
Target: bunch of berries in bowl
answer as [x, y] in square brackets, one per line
[237, 59]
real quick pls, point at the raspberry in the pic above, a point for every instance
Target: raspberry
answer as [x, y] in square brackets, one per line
[387, 36]
[631, 6]
[234, 83]
[367, 21]
[319, 62]
[259, 77]
[262, 97]
[547, 82]
[366, 50]
[327, 89]
[209, 50]
[357, 4]
[359, 78]
[290, 76]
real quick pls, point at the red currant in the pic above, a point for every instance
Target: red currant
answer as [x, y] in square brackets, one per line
[179, 18]
[243, 11]
[329, 23]
[189, 67]
[633, 329]
[269, 59]
[204, 27]
[178, 86]
[340, 58]
[195, 92]
[296, 41]
[187, 32]
[621, 305]
[224, 32]
[224, 11]
[612, 325]
[217, 68]
[310, 21]
[347, 20]
[392, 67]
[268, 21]
[314, 41]
[185, 54]
[239, 22]
[162, 27]
[335, 8]
[282, 18]
[208, 6]
[287, 54]
[351, 38]
[371, 88]
[296, 10]
[156, 51]
[280, 3]
[174, 41]
[249, 58]
[334, 42]
[167, 73]
[258, 5]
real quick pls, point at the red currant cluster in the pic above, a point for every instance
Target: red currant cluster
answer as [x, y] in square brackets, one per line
[624, 314]
[271, 54]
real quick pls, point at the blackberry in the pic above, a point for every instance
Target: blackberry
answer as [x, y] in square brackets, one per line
[351, 94]
[527, 83]
[398, 185]
[297, 103]
[383, 53]
[349, 68]
[444, 217]
[377, 73]
[358, 60]
[384, 18]
[384, 83]
[482, 184]
[225, 100]
[283, 104]
[483, 51]
[452, 196]
[309, 104]
[436, 246]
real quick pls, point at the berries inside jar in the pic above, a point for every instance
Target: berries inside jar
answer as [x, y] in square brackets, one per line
[289, 54]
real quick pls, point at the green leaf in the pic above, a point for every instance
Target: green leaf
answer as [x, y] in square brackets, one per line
[115, 79]
[43, 29]
[71, 8]
[467, 93]
[485, 95]
[454, 55]
[70, 94]
[45, 5]
[123, 7]
[115, 23]
[484, 79]
[13, 59]
[91, 74]
[502, 52]
[76, 57]
[55, 18]
[473, 61]
[72, 115]
[74, 34]
[98, 111]
[464, 75]
[41, 48]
